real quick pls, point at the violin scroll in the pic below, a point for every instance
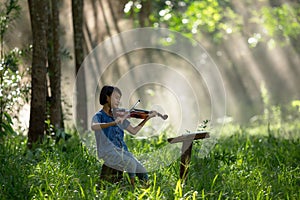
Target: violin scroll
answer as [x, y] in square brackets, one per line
[164, 117]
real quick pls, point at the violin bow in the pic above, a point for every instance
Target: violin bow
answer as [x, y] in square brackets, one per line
[138, 101]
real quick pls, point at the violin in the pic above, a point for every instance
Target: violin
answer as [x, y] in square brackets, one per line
[135, 113]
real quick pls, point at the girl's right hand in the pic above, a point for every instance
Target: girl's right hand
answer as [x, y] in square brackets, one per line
[119, 120]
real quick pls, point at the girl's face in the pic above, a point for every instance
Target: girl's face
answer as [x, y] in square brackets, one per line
[114, 100]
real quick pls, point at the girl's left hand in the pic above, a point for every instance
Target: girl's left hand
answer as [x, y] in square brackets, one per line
[152, 114]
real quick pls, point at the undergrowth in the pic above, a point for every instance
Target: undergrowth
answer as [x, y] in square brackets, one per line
[246, 163]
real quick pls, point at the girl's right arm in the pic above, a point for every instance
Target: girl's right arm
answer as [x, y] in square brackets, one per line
[98, 126]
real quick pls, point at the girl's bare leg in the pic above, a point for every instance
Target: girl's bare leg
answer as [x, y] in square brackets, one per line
[132, 181]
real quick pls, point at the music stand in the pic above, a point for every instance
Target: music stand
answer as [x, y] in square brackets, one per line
[186, 150]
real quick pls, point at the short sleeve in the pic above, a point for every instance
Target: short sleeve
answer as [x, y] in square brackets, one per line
[96, 119]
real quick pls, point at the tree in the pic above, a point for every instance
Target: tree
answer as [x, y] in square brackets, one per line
[81, 111]
[54, 66]
[38, 15]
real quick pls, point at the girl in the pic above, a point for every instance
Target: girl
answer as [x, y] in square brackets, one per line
[109, 133]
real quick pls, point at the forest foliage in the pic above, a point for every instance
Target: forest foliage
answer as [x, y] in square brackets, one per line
[219, 18]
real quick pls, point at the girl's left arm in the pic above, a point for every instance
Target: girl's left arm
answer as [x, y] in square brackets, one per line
[136, 129]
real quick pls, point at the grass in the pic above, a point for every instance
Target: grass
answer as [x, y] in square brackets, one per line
[259, 162]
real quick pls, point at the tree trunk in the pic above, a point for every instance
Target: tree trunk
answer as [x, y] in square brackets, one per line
[38, 14]
[81, 108]
[144, 13]
[54, 66]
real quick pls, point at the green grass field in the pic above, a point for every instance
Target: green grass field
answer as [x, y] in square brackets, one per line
[254, 162]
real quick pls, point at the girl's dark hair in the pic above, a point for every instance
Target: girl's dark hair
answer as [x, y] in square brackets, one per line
[107, 90]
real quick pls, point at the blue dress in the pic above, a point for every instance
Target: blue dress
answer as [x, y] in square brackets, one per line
[114, 133]
[112, 148]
